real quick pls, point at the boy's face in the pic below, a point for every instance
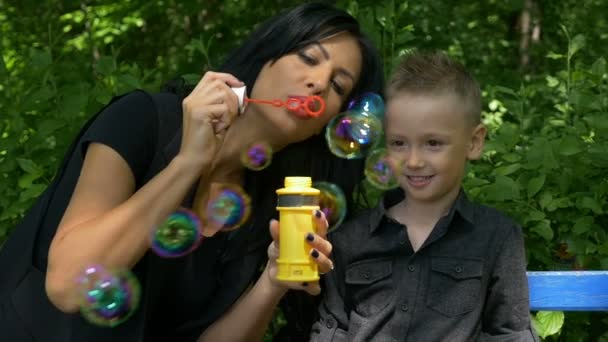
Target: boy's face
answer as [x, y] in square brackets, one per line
[429, 139]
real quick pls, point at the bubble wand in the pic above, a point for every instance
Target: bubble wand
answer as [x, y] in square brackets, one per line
[313, 106]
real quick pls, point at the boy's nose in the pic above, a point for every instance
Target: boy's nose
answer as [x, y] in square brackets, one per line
[415, 160]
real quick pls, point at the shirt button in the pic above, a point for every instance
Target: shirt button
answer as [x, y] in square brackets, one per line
[458, 269]
[404, 307]
[412, 268]
[402, 241]
[366, 275]
[330, 323]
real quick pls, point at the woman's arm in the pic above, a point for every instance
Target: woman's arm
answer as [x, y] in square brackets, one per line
[106, 222]
[254, 310]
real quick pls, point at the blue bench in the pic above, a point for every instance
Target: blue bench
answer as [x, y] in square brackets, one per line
[568, 291]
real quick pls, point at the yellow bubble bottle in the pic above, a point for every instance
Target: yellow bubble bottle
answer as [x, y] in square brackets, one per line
[296, 203]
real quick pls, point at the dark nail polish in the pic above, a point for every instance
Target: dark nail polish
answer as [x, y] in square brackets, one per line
[310, 237]
[318, 213]
[315, 253]
[304, 284]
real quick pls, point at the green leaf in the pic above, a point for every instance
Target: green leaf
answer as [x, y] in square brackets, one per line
[535, 215]
[40, 59]
[583, 225]
[32, 192]
[552, 82]
[569, 145]
[507, 170]
[547, 323]
[506, 90]
[599, 67]
[577, 43]
[29, 166]
[543, 229]
[553, 55]
[503, 189]
[130, 81]
[535, 184]
[590, 203]
[105, 65]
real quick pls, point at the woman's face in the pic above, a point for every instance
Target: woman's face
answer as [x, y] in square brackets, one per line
[329, 68]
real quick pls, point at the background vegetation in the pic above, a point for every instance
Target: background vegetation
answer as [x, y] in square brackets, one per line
[542, 66]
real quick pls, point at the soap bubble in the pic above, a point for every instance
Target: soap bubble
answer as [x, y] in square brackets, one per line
[378, 170]
[257, 156]
[228, 208]
[178, 235]
[371, 103]
[353, 135]
[108, 298]
[332, 203]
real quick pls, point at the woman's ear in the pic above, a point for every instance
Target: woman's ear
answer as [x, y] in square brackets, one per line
[478, 137]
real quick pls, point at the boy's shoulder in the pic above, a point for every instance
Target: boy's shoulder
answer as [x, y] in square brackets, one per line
[493, 219]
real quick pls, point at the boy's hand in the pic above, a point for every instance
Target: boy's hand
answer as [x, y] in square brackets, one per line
[320, 251]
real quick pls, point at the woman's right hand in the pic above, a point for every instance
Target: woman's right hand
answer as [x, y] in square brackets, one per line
[207, 112]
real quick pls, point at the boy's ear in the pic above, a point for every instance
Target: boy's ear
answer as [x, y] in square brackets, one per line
[478, 137]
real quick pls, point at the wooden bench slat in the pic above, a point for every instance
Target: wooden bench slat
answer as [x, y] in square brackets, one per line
[568, 291]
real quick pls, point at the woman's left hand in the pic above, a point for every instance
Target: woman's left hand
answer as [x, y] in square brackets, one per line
[319, 252]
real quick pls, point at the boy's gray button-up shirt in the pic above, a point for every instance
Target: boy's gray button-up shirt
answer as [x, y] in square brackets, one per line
[467, 282]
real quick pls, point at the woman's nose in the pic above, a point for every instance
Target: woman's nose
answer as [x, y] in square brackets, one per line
[318, 81]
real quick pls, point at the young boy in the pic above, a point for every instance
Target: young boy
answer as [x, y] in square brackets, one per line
[427, 264]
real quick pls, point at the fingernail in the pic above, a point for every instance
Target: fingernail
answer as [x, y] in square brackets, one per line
[310, 237]
[318, 213]
[315, 253]
[304, 284]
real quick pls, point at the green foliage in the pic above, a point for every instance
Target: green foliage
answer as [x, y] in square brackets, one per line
[548, 323]
[545, 161]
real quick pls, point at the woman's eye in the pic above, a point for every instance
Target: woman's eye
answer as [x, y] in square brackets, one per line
[307, 59]
[338, 88]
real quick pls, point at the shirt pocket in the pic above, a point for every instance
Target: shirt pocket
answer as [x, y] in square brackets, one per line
[455, 285]
[369, 285]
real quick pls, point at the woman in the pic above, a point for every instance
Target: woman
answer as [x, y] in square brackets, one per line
[120, 179]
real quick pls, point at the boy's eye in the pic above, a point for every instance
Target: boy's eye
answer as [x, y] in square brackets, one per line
[434, 143]
[397, 143]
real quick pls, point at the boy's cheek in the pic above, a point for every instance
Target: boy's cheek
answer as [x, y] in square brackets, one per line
[396, 163]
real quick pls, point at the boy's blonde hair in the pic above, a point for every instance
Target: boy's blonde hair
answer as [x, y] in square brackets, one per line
[436, 74]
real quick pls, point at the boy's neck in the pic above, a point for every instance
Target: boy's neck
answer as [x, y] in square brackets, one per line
[423, 213]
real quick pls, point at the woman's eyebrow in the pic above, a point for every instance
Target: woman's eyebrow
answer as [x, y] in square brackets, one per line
[326, 55]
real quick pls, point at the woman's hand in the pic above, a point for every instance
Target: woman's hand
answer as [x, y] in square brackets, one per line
[207, 112]
[320, 251]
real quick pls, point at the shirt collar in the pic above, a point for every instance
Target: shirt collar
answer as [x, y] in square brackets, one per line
[462, 206]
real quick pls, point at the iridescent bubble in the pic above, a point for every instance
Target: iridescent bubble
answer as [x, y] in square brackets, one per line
[178, 235]
[353, 135]
[228, 207]
[108, 298]
[257, 156]
[378, 170]
[371, 103]
[332, 202]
